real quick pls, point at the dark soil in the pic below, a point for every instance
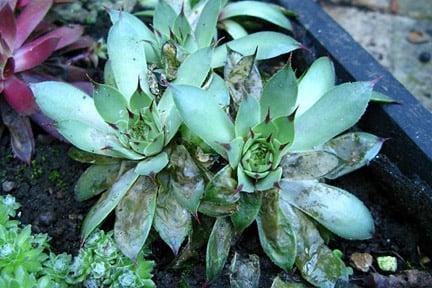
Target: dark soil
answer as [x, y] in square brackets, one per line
[45, 190]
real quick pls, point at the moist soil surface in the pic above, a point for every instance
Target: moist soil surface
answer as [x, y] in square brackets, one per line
[45, 190]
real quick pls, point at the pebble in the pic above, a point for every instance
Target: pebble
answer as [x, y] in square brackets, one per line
[8, 186]
[46, 218]
[418, 37]
[361, 261]
[424, 57]
[60, 195]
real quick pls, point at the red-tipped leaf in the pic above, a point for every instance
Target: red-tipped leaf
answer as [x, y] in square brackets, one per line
[19, 96]
[34, 53]
[66, 35]
[7, 25]
[29, 18]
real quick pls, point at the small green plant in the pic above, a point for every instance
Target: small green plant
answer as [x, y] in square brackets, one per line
[36, 170]
[25, 260]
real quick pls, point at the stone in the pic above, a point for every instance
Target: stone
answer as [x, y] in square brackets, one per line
[47, 218]
[8, 186]
[424, 57]
[418, 37]
[361, 261]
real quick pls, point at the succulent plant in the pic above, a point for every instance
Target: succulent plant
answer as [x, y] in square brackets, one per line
[281, 144]
[129, 127]
[228, 13]
[24, 261]
[101, 264]
[21, 50]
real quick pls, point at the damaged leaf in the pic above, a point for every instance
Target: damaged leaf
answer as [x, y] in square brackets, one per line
[95, 180]
[279, 283]
[108, 202]
[172, 221]
[276, 233]
[355, 151]
[134, 216]
[187, 181]
[90, 158]
[197, 238]
[242, 77]
[245, 272]
[250, 204]
[218, 247]
[336, 209]
[220, 197]
[308, 165]
[316, 262]
[21, 134]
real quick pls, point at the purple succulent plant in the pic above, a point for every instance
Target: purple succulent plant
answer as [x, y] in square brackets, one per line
[25, 43]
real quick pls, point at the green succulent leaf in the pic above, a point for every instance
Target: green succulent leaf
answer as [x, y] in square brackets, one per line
[269, 181]
[140, 100]
[218, 90]
[164, 18]
[153, 165]
[187, 181]
[181, 27]
[90, 158]
[355, 151]
[245, 272]
[261, 10]
[95, 180]
[316, 262]
[205, 30]
[325, 119]
[172, 221]
[318, 80]
[134, 216]
[267, 45]
[131, 67]
[234, 151]
[110, 103]
[248, 116]
[193, 71]
[234, 29]
[242, 77]
[220, 197]
[108, 202]
[245, 183]
[108, 74]
[93, 140]
[195, 68]
[275, 230]
[279, 94]
[75, 105]
[284, 129]
[250, 204]
[143, 33]
[339, 211]
[308, 165]
[198, 108]
[382, 98]
[218, 247]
